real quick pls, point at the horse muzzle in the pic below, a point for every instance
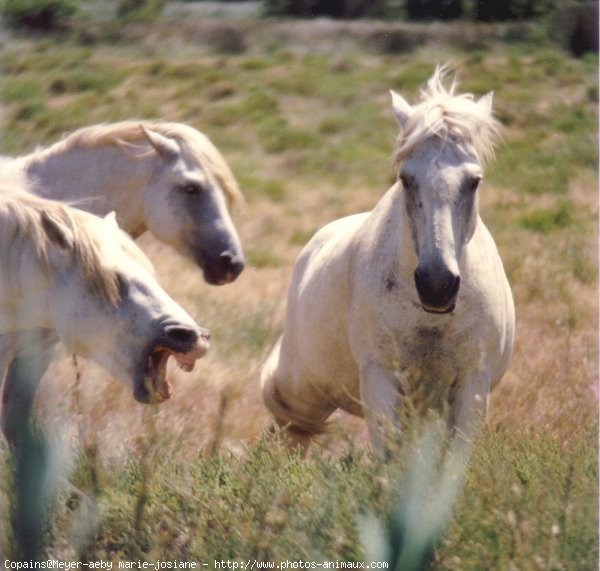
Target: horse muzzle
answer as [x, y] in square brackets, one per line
[437, 290]
[185, 344]
[223, 269]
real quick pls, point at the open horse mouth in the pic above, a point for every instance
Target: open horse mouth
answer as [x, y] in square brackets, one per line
[154, 386]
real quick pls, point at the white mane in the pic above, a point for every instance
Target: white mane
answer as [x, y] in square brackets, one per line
[196, 146]
[443, 114]
[21, 215]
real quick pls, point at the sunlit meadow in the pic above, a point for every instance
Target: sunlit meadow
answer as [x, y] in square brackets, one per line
[304, 120]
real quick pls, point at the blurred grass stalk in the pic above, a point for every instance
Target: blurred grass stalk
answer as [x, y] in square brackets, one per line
[427, 495]
[34, 466]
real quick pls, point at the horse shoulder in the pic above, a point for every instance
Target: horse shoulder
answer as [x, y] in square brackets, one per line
[314, 345]
[325, 257]
[381, 285]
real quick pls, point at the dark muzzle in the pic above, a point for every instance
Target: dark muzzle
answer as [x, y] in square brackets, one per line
[437, 289]
[222, 269]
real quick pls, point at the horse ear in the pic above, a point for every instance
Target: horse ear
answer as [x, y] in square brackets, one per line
[485, 102]
[111, 218]
[165, 147]
[57, 232]
[402, 109]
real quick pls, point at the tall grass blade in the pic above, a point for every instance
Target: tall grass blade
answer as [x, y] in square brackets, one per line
[31, 469]
[424, 506]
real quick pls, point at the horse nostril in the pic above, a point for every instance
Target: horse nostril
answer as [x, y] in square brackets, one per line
[419, 279]
[182, 334]
[454, 287]
[205, 334]
[231, 263]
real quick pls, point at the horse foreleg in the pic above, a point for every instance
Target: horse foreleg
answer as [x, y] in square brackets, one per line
[296, 426]
[32, 354]
[298, 417]
[379, 396]
[470, 410]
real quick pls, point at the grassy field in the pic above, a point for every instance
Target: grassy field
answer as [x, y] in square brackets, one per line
[307, 128]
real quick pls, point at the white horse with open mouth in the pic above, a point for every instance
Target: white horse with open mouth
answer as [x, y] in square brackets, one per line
[81, 276]
[165, 178]
[408, 299]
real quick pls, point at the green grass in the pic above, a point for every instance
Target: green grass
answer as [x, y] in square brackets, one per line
[549, 220]
[511, 476]
[270, 506]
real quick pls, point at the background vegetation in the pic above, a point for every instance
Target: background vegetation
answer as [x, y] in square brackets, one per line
[302, 114]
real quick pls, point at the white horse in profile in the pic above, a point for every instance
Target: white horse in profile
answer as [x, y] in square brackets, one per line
[408, 299]
[165, 178]
[80, 275]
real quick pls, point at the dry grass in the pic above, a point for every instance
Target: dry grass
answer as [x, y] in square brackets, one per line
[555, 352]
[550, 386]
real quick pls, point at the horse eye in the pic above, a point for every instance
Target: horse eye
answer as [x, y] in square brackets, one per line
[191, 188]
[122, 284]
[474, 183]
[406, 181]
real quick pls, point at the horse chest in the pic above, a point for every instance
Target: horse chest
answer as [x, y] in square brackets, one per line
[429, 346]
[427, 363]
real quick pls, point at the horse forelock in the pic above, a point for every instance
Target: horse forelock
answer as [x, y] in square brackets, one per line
[23, 226]
[195, 145]
[200, 150]
[450, 117]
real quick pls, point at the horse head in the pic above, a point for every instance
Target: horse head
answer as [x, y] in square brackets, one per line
[106, 305]
[443, 142]
[186, 204]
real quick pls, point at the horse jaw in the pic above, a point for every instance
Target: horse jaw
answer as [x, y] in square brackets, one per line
[155, 388]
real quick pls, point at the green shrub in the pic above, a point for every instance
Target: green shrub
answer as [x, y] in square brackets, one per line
[576, 27]
[433, 9]
[493, 10]
[37, 14]
[334, 8]
[549, 219]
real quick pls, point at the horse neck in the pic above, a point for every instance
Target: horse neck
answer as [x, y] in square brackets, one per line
[97, 179]
[389, 228]
[24, 291]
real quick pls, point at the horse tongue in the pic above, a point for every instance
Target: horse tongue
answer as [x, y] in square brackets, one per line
[159, 387]
[165, 389]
